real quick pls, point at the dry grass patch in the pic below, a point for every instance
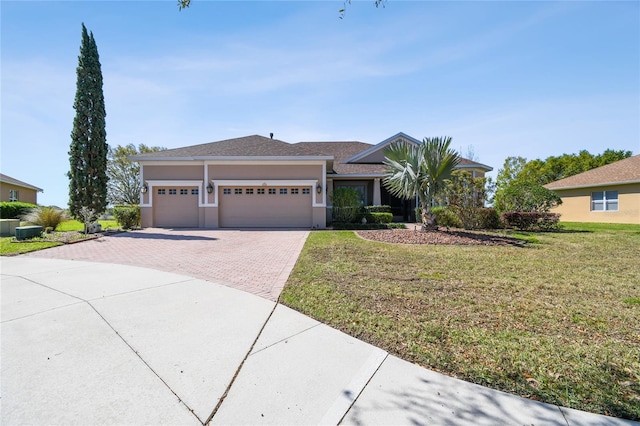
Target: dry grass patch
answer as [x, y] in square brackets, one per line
[554, 321]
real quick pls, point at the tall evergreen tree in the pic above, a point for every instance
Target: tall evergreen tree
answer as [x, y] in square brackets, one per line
[89, 149]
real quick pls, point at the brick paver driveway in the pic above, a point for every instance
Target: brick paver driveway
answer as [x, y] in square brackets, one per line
[257, 261]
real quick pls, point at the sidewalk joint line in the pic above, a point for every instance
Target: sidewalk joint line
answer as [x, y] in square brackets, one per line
[362, 390]
[287, 338]
[144, 362]
[237, 373]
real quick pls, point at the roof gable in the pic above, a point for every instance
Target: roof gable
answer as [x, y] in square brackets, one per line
[375, 154]
[620, 172]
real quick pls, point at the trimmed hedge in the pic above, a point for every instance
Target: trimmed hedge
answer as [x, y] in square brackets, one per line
[365, 226]
[526, 221]
[377, 209]
[489, 218]
[378, 217]
[14, 209]
[127, 216]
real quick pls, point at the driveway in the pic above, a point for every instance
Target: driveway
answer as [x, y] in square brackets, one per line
[256, 261]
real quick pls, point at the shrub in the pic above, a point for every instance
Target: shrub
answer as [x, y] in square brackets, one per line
[444, 217]
[14, 209]
[127, 216]
[346, 205]
[377, 209]
[489, 219]
[47, 217]
[378, 217]
[526, 221]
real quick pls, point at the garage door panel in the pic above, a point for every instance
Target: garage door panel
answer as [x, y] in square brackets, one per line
[284, 207]
[175, 207]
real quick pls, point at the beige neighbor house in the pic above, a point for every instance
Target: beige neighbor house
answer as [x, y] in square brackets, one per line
[256, 181]
[15, 190]
[608, 194]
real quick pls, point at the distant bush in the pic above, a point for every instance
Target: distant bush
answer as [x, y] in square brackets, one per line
[14, 209]
[127, 216]
[527, 221]
[47, 217]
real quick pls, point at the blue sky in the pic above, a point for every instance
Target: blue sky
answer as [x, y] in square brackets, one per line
[529, 79]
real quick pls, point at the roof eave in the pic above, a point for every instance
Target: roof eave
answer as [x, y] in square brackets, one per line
[474, 166]
[596, 185]
[237, 158]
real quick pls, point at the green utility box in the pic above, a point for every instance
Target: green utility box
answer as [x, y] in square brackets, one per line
[26, 232]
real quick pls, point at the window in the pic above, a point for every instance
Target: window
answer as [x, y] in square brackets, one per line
[272, 190]
[184, 191]
[604, 201]
[172, 191]
[194, 191]
[306, 191]
[283, 191]
[226, 191]
[249, 191]
[162, 191]
[14, 195]
[294, 191]
[237, 191]
[260, 191]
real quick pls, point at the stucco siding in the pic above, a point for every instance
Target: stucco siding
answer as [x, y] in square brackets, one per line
[25, 195]
[576, 205]
[195, 172]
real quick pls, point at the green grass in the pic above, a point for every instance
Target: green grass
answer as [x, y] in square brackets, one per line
[556, 321]
[74, 225]
[8, 247]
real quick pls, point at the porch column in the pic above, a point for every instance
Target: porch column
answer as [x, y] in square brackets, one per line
[376, 192]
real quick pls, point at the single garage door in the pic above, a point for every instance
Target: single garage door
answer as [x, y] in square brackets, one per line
[175, 207]
[265, 207]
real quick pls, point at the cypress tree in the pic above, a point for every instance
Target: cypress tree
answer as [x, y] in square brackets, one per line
[88, 151]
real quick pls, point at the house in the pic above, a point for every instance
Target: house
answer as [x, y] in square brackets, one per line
[15, 190]
[256, 181]
[609, 194]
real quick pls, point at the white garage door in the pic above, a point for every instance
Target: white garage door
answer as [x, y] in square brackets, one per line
[175, 207]
[265, 207]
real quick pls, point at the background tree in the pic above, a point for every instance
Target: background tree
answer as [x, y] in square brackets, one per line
[88, 151]
[465, 196]
[520, 182]
[420, 170]
[124, 175]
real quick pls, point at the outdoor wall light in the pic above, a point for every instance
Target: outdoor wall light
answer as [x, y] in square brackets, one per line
[209, 188]
[144, 188]
[319, 188]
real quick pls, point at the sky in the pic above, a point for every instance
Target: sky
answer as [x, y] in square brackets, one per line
[531, 79]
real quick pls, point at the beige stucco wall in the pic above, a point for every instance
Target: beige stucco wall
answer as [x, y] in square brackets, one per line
[576, 205]
[209, 215]
[25, 195]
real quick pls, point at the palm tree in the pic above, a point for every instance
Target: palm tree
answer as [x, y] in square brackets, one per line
[420, 170]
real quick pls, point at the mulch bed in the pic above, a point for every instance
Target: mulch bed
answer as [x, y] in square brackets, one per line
[439, 237]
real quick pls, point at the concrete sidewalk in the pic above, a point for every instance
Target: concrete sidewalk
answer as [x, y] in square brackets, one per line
[94, 343]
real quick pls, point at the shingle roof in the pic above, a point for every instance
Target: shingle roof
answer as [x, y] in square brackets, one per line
[623, 171]
[16, 182]
[248, 146]
[260, 146]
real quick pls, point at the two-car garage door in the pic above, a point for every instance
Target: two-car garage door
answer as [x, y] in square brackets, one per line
[264, 207]
[238, 207]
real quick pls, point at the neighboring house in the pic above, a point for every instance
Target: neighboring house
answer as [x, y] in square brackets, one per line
[15, 190]
[609, 194]
[255, 181]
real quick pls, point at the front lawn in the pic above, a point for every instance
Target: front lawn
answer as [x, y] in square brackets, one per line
[556, 320]
[65, 232]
